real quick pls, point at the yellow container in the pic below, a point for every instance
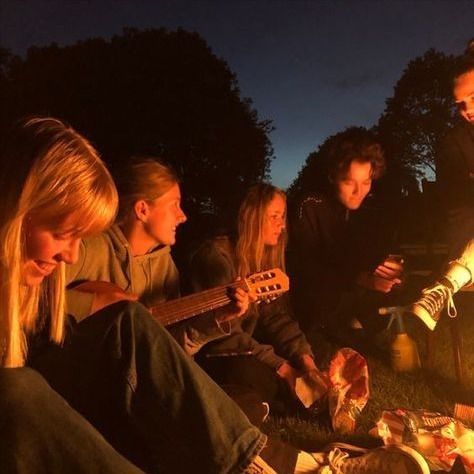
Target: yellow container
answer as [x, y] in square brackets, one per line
[404, 353]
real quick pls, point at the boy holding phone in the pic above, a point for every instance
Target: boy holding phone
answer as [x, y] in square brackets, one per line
[343, 270]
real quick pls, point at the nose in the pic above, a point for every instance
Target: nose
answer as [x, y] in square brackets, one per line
[357, 190]
[181, 216]
[70, 252]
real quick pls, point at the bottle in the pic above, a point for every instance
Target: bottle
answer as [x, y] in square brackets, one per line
[403, 349]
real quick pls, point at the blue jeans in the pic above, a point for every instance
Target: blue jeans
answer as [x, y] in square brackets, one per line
[130, 379]
[41, 433]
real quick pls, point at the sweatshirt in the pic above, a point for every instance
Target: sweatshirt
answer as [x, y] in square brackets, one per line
[153, 277]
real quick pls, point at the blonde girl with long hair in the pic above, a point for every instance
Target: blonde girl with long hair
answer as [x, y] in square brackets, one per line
[46, 169]
[261, 225]
[118, 368]
[265, 352]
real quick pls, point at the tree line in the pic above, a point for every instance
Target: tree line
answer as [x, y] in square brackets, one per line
[165, 93]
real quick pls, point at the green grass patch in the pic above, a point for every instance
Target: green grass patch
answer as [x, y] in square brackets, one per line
[435, 389]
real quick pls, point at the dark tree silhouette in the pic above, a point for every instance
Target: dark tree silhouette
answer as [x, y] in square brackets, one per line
[152, 92]
[313, 175]
[419, 113]
[415, 119]
[6, 60]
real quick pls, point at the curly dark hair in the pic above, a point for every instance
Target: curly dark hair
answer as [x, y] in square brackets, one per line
[354, 144]
[465, 62]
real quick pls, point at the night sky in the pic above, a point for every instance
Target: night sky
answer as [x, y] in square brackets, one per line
[312, 67]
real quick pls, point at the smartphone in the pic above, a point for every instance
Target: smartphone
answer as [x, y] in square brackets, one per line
[395, 257]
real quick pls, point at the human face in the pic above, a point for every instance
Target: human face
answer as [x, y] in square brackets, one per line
[352, 188]
[164, 216]
[46, 246]
[464, 95]
[275, 216]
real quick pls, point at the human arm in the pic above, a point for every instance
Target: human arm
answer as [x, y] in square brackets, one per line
[455, 166]
[210, 267]
[88, 279]
[321, 268]
[385, 276]
[277, 327]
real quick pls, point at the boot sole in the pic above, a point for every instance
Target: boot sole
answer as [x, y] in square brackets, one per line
[424, 315]
[416, 458]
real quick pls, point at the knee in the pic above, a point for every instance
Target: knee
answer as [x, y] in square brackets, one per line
[21, 390]
[140, 317]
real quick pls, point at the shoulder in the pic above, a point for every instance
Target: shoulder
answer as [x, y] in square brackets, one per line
[217, 245]
[312, 203]
[457, 135]
[96, 243]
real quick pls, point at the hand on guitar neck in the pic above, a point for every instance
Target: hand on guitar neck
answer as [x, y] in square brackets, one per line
[237, 308]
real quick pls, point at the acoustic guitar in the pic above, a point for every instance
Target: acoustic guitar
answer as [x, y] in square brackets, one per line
[263, 286]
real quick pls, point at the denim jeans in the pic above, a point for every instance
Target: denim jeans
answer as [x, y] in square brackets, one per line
[252, 374]
[42, 434]
[130, 379]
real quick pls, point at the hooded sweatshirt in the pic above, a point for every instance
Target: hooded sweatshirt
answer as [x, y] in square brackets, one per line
[107, 257]
[153, 277]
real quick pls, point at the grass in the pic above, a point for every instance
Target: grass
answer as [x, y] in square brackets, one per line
[435, 389]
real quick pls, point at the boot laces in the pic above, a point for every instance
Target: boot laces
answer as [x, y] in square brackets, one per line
[336, 459]
[435, 297]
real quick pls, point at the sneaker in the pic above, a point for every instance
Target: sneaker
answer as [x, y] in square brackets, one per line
[433, 299]
[390, 459]
[259, 466]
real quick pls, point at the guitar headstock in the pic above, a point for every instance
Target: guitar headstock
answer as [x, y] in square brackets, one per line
[268, 285]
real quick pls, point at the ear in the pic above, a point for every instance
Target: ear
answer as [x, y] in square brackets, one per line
[141, 210]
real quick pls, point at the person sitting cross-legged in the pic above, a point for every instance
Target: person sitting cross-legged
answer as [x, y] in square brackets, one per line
[265, 350]
[341, 268]
[135, 254]
[113, 393]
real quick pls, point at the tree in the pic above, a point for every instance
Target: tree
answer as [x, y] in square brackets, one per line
[414, 120]
[419, 113]
[153, 92]
[6, 60]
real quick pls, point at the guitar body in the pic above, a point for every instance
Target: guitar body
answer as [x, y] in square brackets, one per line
[97, 287]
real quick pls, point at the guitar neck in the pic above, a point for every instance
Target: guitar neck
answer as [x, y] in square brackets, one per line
[180, 309]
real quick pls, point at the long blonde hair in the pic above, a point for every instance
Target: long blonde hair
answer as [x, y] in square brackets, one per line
[252, 254]
[49, 171]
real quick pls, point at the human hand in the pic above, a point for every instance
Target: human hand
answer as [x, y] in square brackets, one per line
[312, 385]
[105, 294]
[391, 268]
[318, 381]
[375, 283]
[236, 309]
[289, 374]
[387, 275]
[306, 363]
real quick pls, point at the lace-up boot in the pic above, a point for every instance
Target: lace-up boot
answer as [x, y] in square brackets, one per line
[391, 459]
[432, 301]
[434, 298]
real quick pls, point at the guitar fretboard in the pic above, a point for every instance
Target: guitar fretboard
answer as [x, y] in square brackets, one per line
[173, 311]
